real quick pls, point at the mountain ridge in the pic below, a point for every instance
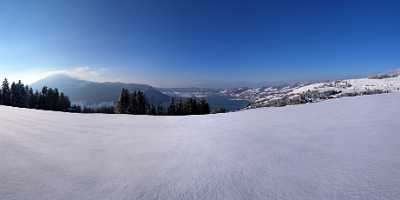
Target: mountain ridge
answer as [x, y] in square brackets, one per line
[97, 93]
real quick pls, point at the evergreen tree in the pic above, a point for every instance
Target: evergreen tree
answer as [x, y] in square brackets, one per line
[180, 108]
[204, 108]
[20, 95]
[152, 110]
[160, 110]
[123, 103]
[35, 100]
[195, 106]
[50, 99]
[190, 107]
[76, 109]
[142, 103]
[172, 107]
[13, 94]
[29, 96]
[102, 109]
[133, 105]
[54, 100]
[43, 99]
[6, 93]
[63, 103]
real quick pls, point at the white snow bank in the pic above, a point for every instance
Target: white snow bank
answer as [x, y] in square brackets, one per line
[346, 148]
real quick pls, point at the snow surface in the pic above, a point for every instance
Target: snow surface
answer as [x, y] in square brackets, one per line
[346, 148]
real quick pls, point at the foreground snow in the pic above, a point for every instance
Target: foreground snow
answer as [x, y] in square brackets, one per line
[341, 149]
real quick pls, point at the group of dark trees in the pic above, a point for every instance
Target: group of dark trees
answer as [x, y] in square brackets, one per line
[190, 106]
[133, 103]
[98, 109]
[136, 103]
[23, 96]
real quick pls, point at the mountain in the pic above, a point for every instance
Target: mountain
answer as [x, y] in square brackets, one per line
[94, 93]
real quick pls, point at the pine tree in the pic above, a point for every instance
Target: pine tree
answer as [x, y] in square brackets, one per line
[194, 105]
[35, 100]
[54, 100]
[133, 104]
[63, 103]
[50, 99]
[13, 94]
[160, 110]
[204, 108]
[180, 108]
[152, 110]
[190, 107]
[43, 99]
[172, 107]
[28, 96]
[6, 93]
[21, 95]
[123, 103]
[142, 103]
[76, 109]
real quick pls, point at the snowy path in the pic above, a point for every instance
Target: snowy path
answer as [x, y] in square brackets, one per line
[347, 148]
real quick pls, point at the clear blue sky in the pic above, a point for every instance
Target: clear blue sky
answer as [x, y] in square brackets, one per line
[184, 41]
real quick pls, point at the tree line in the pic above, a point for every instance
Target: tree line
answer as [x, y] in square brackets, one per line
[137, 103]
[19, 95]
[23, 96]
[190, 106]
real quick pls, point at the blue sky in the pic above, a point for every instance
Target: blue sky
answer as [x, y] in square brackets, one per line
[181, 42]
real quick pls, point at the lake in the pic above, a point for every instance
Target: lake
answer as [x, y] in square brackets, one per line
[226, 102]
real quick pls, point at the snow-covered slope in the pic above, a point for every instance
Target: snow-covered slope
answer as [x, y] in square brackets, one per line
[314, 92]
[262, 94]
[345, 148]
[355, 85]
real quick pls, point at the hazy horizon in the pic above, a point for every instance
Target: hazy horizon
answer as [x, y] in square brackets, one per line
[88, 74]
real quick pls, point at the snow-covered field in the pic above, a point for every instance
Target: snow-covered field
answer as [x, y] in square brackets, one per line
[346, 148]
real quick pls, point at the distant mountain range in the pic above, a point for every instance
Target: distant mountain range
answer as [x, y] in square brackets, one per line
[94, 93]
